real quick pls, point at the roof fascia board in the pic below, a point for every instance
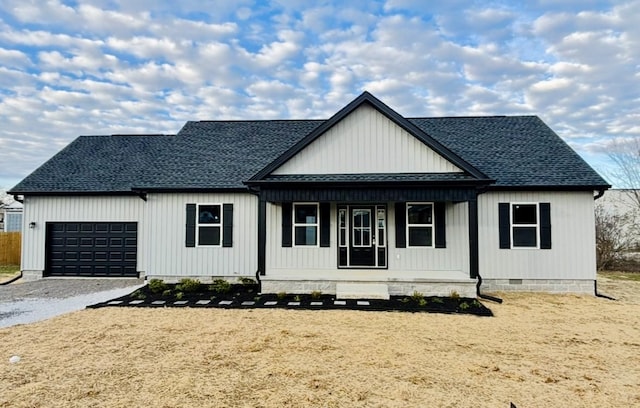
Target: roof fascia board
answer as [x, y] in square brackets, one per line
[550, 188]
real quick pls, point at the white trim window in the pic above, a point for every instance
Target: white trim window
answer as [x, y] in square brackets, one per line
[209, 224]
[342, 227]
[420, 227]
[305, 224]
[361, 228]
[525, 225]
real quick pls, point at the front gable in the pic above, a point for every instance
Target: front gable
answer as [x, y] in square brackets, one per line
[367, 137]
[365, 142]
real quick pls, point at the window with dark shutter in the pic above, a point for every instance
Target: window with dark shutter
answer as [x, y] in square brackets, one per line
[209, 225]
[525, 225]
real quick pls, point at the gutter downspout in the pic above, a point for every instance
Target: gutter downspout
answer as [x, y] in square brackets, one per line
[483, 296]
[595, 282]
[15, 278]
[261, 209]
[473, 247]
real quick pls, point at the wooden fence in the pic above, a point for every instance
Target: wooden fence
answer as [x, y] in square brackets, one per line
[10, 248]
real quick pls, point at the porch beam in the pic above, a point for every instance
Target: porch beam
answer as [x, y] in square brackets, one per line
[362, 195]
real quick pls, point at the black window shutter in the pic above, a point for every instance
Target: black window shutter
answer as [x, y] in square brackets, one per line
[401, 225]
[190, 236]
[325, 224]
[504, 225]
[545, 226]
[439, 210]
[286, 224]
[227, 225]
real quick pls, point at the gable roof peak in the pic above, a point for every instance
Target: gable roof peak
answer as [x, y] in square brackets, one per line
[377, 104]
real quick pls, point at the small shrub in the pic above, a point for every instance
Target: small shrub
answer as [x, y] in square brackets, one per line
[464, 306]
[422, 302]
[138, 294]
[476, 303]
[281, 295]
[188, 285]
[247, 281]
[405, 300]
[315, 295]
[166, 293]
[179, 295]
[437, 300]
[157, 286]
[454, 295]
[296, 298]
[220, 286]
[256, 299]
[417, 296]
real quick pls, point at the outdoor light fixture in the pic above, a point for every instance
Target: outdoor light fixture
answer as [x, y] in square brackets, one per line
[32, 224]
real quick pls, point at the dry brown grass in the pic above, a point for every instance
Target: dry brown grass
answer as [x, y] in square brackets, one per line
[538, 351]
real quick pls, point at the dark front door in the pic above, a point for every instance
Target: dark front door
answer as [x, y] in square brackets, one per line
[362, 245]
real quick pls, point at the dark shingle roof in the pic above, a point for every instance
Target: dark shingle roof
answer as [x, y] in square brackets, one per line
[99, 164]
[518, 151]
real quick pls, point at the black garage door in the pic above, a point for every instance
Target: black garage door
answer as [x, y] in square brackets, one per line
[105, 249]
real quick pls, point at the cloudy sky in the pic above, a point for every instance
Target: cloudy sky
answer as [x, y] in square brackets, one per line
[70, 68]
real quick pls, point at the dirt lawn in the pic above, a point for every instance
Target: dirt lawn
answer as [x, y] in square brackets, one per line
[538, 351]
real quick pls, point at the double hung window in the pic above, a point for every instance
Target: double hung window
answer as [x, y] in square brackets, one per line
[420, 224]
[305, 224]
[209, 224]
[524, 225]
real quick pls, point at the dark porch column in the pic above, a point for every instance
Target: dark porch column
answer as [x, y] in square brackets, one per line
[473, 238]
[262, 234]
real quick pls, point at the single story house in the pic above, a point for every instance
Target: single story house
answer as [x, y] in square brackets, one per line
[366, 198]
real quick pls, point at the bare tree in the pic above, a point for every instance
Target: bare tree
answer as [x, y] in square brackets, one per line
[625, 155]
[613, 238]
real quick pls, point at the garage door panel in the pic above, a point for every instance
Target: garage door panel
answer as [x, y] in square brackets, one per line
[116, 242]
[92, 249]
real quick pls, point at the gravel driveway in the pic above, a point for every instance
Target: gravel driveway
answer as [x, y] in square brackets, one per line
[27, 302]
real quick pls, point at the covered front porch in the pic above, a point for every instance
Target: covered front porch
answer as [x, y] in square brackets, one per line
[353, 238]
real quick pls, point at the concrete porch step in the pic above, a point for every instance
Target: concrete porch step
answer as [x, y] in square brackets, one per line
[362, 291]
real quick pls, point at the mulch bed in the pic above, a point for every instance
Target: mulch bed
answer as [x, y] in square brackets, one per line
[247, 296]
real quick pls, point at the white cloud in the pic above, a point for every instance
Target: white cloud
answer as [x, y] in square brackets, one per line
[107, 66]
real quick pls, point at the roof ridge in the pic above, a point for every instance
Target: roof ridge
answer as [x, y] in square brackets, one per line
[254, 120]
[472, 117]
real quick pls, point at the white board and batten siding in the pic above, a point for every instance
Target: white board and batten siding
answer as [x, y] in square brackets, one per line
[43, 209]
[366, 141]
[572, 254]
[321, 263]
[171, 260]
